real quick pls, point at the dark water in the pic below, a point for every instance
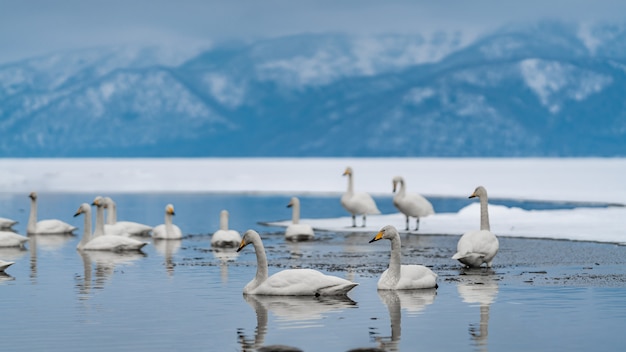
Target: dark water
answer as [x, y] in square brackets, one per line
[181, 295]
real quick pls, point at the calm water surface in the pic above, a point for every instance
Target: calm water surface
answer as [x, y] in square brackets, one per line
[181, 295]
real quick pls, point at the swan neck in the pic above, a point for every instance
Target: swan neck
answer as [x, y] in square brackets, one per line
[261, 261]
[31, 227]
[223, 222]
[112, 214]
[99, 231]
[87, 231]
[295, 213]
[394, 261]
[484, 213]
[169, 229]
[402, 190]
[350, 184]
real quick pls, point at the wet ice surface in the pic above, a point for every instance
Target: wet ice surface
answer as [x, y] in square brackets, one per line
[540, 295]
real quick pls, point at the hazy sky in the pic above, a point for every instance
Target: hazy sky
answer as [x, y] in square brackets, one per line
[33, 27]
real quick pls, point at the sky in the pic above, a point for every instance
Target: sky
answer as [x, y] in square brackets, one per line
[36, 27]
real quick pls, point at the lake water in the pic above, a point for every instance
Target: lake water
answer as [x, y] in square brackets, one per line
[181, 295]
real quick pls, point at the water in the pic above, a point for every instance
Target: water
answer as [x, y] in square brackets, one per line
[181, 295]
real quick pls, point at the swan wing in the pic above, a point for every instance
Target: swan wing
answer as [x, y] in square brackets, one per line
[114, 243]
[304, 282]
[226, 238]
[135, 228]
[359, 203]
[54, 226]
[11, 239]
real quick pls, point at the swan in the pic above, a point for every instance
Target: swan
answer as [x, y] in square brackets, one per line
[225, 237]
[290, 282]
[103, 242]
[102, 228]
[11, 239]
[402, 277]
[4, 265]
[167, 231]
[357, 203]
[7, 224]
[44, 226]
[130, 227]
[297, 231]
[479, 246]
[410, 204]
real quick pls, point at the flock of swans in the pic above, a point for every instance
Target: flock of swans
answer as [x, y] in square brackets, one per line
[474, 248]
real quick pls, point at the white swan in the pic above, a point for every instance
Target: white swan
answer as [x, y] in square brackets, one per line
[290, 282]
[102, 228]
[410, 204]
[4, 265]
[44, 226]
[225, 237]
[7, 223]
[357, 203]
[103, 242]
[11, 239]
[168, 230]
[402, 277]
[297, 231]
[477, 247]
[130, 227]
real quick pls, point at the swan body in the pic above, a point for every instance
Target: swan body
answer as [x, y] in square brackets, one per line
[168, 230]
[11, 239]
[130, 228]
[4, 265]
[410, 204]
[101, 227]
[402, 277]
[44, 226]
[297, 231]
[290, 282]
[357, 203]
[103, 242]
[7, 223]
[480, 246]
[225, 237]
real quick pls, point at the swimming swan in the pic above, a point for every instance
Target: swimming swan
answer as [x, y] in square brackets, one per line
[410, 204]
[479, 246]
[290, 282]
[7, 224]
[297, 231]
[167, 231]
[44, 226]
[130, 227]
[402, 277]
[103, 242]
[357, 203]
[225, 237]
[11, 239]
[4, 265]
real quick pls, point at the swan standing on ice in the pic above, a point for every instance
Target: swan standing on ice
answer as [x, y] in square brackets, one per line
[7, 224]
[290, 282]
[297, 231]
[44, 226]
[410, 204]
[357, 203]
[225, 237]
[402, 277]
[103, 242]
[167, 231]
[4, 265]
[479, 246]
[130, 227]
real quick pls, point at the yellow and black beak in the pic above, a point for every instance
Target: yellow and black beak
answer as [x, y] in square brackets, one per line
[378, 236]
[241, 245]
[78, 212]
[473, 195]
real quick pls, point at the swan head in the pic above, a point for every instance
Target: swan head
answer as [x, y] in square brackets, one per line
[388, 232]
[169, 209]
[83, 209]
[248, 237]
[108, 201]
[224, 212]
[293, 202]
[480, 191]
[396, 180]
[348, 171]
[98, 201]
[32, 195]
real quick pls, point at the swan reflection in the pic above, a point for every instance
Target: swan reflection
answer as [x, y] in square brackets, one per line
[105, 264]
[305, 309]
[225, 255]
[412, 301]
[482, 291]
[5, 277]
[167, 248]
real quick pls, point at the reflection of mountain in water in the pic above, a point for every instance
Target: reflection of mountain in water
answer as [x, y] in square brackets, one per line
[167, 248]
[482, 291]
[290, 309]
[225, 255]
[413, 301]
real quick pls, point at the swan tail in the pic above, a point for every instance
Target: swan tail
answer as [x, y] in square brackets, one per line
[336, 290]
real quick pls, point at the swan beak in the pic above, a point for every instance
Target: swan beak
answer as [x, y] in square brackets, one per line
[241, 245]
[473, 195]
[78, 213]
[377, 237]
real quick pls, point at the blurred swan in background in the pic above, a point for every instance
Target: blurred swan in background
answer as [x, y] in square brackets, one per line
[297, 231]
[168, 230]
[44, 226]
[130, 227]
[103, 242]
[410, 204]
[225, 237]
[357, 203]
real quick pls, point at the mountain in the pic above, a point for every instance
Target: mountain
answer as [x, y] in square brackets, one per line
[540, 89]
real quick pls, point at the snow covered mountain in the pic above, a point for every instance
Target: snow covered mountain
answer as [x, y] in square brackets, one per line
[545, 89]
